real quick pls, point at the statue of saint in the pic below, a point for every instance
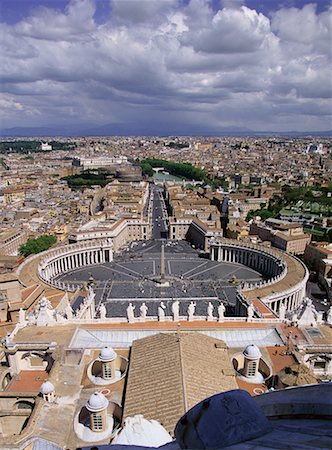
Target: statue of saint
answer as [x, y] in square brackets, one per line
[221, 312]
[102, 311]
[191, 310]
[210, 309]
[250, 311]
[329, 316]
[143, 311]
[282, 311]
[161, 312]
[130, 313]
[175, 310]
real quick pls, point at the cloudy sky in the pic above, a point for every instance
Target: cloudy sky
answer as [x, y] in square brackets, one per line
[165, 64]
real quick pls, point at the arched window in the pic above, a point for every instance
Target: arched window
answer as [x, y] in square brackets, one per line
[24, 405]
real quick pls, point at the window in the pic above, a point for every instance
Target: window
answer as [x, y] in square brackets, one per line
[252, 368]
[107, 371]
[97, 422]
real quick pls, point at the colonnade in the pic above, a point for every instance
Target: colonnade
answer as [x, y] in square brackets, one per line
[269, 263]
[290, 300]
[70, 257]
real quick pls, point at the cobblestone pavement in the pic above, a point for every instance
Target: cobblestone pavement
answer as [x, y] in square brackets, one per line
[135, 272]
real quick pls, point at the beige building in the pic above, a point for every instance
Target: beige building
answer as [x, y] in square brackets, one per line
[10, 291]
[287, 236]
[318, 257]
[10, 241]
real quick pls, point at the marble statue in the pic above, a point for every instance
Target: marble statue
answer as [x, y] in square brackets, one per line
[102, 311]
[175, 310]
[210, 309]
[282, 311]
[191, 310]
[329, 316]
[143, 311]
[161, 312]
[130, 313]
[250, 311]
[221, 312]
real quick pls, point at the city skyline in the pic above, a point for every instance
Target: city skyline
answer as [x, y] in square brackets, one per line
[170, 67]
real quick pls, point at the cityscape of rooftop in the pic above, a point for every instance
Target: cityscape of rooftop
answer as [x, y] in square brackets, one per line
[165, 224]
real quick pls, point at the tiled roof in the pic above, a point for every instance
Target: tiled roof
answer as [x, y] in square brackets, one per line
[170, 373]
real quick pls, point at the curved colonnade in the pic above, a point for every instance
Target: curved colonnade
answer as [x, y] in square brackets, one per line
[286, 275]
[69, 257]
[285, 283]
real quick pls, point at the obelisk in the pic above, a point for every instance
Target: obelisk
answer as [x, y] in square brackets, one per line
[162, 263]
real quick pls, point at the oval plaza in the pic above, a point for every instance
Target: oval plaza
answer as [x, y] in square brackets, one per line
[152, 272]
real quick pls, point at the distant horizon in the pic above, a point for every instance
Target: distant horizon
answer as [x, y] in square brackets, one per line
[30, 132]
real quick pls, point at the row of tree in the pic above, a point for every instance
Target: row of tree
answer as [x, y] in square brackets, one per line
[87, 178]
[37, 245]
[33, 146]
[182, 170]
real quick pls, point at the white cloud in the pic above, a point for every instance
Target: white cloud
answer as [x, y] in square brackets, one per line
[230, 31]
[154, 60]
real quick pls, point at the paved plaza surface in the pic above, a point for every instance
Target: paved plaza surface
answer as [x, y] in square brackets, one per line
[134, 275]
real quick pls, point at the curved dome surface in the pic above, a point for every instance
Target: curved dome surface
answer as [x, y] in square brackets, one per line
[252, 352]
[46, 388]
[107, 354]
[139, 431]
[97, 402]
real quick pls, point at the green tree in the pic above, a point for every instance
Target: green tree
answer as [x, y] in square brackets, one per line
[33, 246]
[263, 213]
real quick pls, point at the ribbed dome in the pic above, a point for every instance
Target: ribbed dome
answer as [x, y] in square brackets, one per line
[252, 352]
[97, 402]
[46, 388]
[139, 431]
[107, 354]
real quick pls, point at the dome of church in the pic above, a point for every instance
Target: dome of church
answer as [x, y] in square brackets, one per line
[107, 354]
[97, 402]
[46, 388]
[252, 352]
[139, 431]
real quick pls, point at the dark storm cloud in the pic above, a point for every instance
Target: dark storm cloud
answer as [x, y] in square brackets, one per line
[151, 61]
